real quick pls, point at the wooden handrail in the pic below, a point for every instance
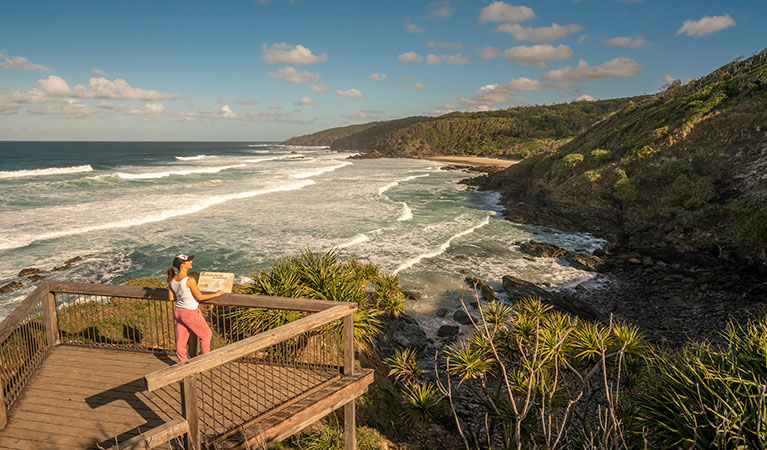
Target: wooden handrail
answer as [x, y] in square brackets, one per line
[156, 436]
[14, 319]
[253, 301]
[231, 352]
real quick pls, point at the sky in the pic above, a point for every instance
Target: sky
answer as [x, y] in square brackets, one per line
[267, 70]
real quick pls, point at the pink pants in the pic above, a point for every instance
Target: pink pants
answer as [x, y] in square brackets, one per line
[190, 321]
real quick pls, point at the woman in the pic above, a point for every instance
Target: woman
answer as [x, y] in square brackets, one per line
[184, 291]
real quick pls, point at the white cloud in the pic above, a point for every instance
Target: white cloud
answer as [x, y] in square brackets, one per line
[527, 84]
[410, 27]
[621, 41]
[442, 109]
[274, 106]
[550, 33]
[152, 110]
[9, 108]
[304, 101]
[537, 55]
[432, 59]
[442, 44]
[20, 62]
[378, 76]
[367, 114]
[706, 25]
[69, 108]
[488, 96]
[503, 12]
[226, 113]
[491, 52]
[290, 74]
[585, 98]
[55, 86]
[410, 57]
[450, 59]
[118, 89]
[284, 53]
[319, 89]
[415, 86]
[353, 93]
[668, 78]
[582, 38]
[246, 102]
[615, 68]
[442, 9]
[97, 73]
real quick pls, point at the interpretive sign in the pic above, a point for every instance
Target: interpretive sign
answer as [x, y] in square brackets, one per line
[216, 281]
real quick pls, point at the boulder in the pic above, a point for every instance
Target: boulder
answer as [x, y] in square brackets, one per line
[35, 277]
[583, 261]
[11, 286]
[541, 249]
[462, 317]
[442, 312]
[29, 271]
[398, 333]
[448, 330]
[517, 289]
[414, 295]
[485, 292]
[68, 263]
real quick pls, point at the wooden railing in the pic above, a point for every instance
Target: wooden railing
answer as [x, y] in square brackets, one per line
[245, 377]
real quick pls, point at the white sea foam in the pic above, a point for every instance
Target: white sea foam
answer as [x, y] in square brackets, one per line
[43, 172]
[262, 145]
[6, 243]
[383, 189]
[316, 172]
[260, 152]
[259, 160]
[442, 248]
[154, 175]
[193, 158]
[406, 214]
[360, 238]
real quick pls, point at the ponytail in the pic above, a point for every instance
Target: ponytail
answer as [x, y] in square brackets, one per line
[171, 273]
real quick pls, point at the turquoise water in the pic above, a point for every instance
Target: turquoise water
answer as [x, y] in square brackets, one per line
[127, 208]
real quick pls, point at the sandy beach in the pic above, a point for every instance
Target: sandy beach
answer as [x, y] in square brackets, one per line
[474, 160]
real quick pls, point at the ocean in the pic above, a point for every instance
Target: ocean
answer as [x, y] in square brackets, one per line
[126, 208]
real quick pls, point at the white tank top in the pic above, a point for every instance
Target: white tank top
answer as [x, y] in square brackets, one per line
[183, 295]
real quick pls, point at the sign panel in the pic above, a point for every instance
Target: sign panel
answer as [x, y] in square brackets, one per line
[215, 281]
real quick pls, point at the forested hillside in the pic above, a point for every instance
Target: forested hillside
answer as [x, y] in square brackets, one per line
[511, 133]
[689, 163]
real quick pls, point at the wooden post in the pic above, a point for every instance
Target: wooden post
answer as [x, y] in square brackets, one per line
[350, 422]
[3, 412]
[190, 412]
[51, 320]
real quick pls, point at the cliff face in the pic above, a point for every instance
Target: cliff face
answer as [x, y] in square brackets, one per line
[511, 133]
[688, 166]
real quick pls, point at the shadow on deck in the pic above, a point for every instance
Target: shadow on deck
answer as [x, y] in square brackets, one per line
[92, 393]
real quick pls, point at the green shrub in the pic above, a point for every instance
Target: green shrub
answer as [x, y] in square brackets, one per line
[705, 396]
[600, 154]
[670, 170]
[624, 189]
[572, 159]
[389, 297]
[592, 175]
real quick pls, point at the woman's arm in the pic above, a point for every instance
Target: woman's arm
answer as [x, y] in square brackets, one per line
[171, 297]
[192, 284]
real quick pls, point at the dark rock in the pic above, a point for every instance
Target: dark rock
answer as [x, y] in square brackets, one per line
[517, 289]
[599, 253]
[442, 312]
[35, 277]
[29, 271]
[398, 333]
[414, 295]
[68, 263]
[474, 305]
[448, 330]
[11, 286]
[486, 292]
[541, 249]
[583, 261]
[462, 317]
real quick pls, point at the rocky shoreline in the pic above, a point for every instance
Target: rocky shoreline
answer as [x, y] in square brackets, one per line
[667, 286]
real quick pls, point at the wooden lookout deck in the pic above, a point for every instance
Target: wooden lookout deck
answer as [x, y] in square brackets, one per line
[90, 366]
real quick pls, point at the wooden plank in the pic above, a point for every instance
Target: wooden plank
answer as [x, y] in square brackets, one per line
[347, 390]
[157, 436]
[231, 352]
[254, 301]
[190, 411]
[349, 344]
[51, 320]
[14, 319]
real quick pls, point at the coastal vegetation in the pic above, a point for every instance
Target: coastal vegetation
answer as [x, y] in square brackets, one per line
[511, 133]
